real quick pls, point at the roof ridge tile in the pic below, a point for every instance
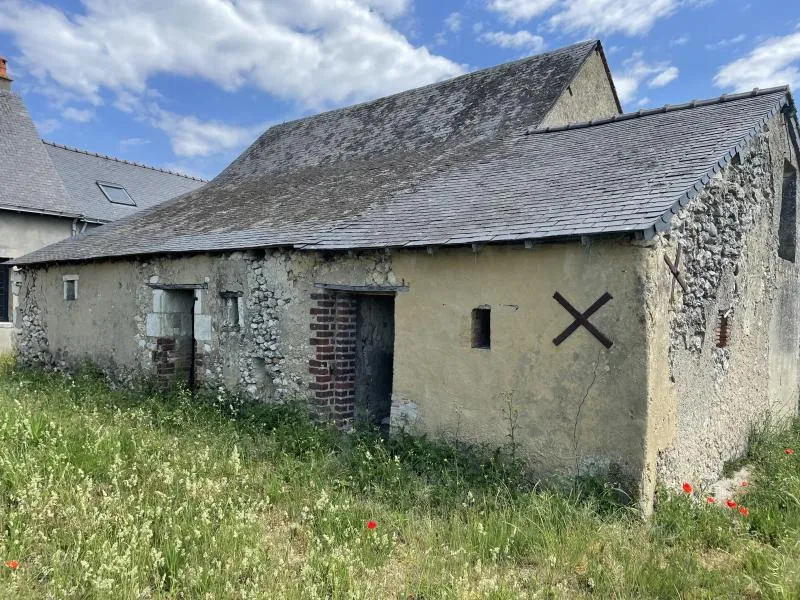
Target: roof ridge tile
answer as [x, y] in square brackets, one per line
[667, 108]
[121, 160]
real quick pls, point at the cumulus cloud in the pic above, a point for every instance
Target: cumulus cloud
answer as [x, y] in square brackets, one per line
[630, 17]
[79, 115]
[302, 50]
[47, 126]
[193, 137]
[727, 42]
[636, 70]
[311, 53]
[774, 62]
[453, 22]
[518, 40]
[665, 77]
[521, 10]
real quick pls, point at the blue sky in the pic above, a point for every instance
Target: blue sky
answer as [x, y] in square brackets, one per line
[188, 84]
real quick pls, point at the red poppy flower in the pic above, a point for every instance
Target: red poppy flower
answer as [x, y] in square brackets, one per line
[745, 483]
[744, 511]
[12, 564]
[687, 487]
[730, 503]
[788, 451]
[371, 524]
[711, 500]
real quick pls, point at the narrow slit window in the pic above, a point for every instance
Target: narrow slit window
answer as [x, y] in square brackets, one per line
[724, 323]
[116, 194]
[787, 229]
[481, 327]
[70, 287]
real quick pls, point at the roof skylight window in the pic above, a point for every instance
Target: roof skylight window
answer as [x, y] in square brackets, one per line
[116, 194]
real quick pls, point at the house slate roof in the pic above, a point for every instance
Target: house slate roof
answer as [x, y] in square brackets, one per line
[28, 179]
[46, 178]
[147, 186]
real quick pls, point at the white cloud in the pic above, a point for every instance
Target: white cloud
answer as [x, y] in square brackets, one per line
[453, 22]
[679, 41]
[79, 115]
[631, 17]
[727, 42]
[192, 137]
[774, 62]
[521, 10]
[47, 126]
[665, 77]
[635, 70]
[643, 102]
[129, 142]
[519, 40]
[314, 53]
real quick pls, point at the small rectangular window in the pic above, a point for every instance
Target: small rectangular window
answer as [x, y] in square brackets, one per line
[116, 194]
[70, 287]
[5, 292]
[481, 327]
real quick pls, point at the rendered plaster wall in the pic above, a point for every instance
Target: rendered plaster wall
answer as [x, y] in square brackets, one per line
[21, 233]
[704, 398]
[577, 407]
[590, 96]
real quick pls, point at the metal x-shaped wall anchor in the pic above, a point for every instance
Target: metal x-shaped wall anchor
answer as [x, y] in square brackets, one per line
[582, 319]
[676, 273]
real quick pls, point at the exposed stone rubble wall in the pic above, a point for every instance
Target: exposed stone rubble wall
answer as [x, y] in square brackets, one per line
[123, 323]
[703, 408]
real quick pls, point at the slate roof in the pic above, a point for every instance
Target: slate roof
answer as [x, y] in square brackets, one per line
[56, 180]
[147, 186]
[30, 182]
[627, 174]
[306, 175]
[487, 103]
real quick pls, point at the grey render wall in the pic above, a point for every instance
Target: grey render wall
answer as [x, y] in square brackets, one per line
[703, 398]
[21, 233]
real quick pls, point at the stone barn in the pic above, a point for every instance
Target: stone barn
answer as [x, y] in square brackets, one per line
[502, 248]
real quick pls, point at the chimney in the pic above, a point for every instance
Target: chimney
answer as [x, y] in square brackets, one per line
[5, 80]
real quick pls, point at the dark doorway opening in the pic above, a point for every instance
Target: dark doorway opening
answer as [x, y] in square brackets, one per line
[374, 358]
[5, 292]
[175, 354]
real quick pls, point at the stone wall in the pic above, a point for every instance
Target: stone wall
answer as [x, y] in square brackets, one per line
[725, 352]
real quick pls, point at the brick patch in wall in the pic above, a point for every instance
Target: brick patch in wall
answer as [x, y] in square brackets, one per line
[333, 333]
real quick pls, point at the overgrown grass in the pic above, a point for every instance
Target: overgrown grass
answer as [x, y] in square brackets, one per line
[112, 494]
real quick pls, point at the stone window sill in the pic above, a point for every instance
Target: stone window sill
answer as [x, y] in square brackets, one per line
[6, 325]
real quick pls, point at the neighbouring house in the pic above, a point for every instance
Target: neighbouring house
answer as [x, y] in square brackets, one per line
[501, 250]
[50, 192]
